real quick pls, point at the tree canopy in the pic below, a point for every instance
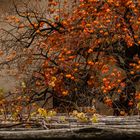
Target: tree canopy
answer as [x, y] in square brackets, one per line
[90, 50]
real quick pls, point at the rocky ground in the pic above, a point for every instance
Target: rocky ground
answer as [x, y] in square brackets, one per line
[107, 127]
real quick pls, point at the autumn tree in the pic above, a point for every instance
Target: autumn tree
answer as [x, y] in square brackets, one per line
[90, 51]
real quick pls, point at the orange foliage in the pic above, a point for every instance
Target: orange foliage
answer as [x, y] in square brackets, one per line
[82, 50]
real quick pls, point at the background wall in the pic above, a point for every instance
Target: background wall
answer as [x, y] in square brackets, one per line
[6, 82]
